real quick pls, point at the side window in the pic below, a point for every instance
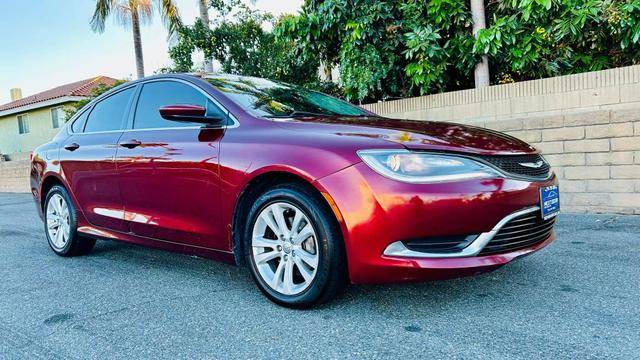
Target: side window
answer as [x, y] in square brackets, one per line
[78, 123]
[108, 114]
[157, 94]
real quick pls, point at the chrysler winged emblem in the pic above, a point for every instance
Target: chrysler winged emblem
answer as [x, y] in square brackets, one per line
[534, 165]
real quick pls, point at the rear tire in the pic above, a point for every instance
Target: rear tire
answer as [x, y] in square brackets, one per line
[294, 247]
[61, 225]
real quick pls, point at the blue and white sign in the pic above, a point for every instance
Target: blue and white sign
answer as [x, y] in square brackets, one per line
[549, 201]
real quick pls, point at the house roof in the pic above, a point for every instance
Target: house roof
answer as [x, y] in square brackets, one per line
[81, 88]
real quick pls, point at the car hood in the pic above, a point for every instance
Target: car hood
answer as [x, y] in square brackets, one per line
[416, 135]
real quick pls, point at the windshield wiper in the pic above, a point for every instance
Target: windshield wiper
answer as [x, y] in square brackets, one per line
[299, 114]
[309, 113]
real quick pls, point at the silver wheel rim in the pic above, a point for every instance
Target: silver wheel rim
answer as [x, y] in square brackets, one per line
[285, 248]
[58, 222]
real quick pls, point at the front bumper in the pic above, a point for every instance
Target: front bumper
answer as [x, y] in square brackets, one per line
[377, 213]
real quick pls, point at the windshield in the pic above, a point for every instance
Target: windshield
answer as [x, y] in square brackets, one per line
[266, 98]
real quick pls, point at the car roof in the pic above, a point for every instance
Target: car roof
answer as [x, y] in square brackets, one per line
[256, 81]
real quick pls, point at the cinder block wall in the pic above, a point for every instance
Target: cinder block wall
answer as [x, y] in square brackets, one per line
[14, 176]
[587, 125]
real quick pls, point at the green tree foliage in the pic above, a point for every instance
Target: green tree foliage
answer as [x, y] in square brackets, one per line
[399, 48]
[387, 49]
[530, 39]
[238, 42]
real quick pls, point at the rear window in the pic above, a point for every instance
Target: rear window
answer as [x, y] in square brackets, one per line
[109, 113]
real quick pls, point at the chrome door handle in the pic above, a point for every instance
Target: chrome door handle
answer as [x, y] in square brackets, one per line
[72, 147]
[130, 144]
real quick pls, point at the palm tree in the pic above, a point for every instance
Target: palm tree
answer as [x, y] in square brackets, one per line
[204, 17]
[134, 13]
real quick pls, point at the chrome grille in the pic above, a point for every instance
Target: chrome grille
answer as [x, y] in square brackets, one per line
[520, 232]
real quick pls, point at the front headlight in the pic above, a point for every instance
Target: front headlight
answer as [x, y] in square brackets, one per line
[416, 167]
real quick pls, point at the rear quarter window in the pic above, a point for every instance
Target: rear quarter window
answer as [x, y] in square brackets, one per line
[108, 114]
[78, 124]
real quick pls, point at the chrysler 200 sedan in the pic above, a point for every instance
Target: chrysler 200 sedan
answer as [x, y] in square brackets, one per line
[310, 192]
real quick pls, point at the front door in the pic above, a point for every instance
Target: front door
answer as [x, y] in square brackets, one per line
[87, 159]
[168, 171]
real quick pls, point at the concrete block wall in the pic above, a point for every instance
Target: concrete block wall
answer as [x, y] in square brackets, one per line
[587, 126]
[14, 176]
[596, 155]
[17, 156]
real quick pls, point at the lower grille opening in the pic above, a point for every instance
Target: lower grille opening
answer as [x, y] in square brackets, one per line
[441, 244]
[519, 233]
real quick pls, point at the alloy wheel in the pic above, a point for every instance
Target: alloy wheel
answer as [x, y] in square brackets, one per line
[285, 248]
[58, 221]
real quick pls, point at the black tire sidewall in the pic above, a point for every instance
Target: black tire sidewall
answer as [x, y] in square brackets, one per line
[73, 221]
[325, 237]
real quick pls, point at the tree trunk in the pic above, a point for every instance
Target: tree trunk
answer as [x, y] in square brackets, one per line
[204, 17]
[325, 71]
[481, 72]
[137, 43]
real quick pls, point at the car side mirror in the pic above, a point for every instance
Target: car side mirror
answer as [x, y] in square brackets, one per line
[189, 113]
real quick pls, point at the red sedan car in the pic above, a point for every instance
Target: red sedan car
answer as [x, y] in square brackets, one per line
[309, 191]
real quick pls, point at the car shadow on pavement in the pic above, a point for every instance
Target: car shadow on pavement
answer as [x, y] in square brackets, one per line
[433, 294]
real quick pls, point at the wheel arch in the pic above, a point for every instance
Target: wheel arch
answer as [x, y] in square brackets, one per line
[48, 182]
[258, 185]
[52, 179]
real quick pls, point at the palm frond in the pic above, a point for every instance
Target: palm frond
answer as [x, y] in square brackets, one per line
[122, 14]
[144, 9]
[170, 15]
[123, 10]
[102, 11]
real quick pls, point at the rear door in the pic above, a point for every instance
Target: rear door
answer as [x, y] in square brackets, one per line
[168, 171]
[87, 159]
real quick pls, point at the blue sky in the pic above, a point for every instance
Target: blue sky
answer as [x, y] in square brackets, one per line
[46, 43]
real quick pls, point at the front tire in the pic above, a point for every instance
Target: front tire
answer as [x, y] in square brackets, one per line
[294, 247]
[61, 225]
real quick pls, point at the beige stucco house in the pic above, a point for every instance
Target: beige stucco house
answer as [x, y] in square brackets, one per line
[27, 122]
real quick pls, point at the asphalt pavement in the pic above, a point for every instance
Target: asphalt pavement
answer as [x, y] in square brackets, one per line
[577, 298]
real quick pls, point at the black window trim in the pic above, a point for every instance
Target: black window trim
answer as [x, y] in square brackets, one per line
[134, 107]
[92, 106]
[130, 112]
[69, 125]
